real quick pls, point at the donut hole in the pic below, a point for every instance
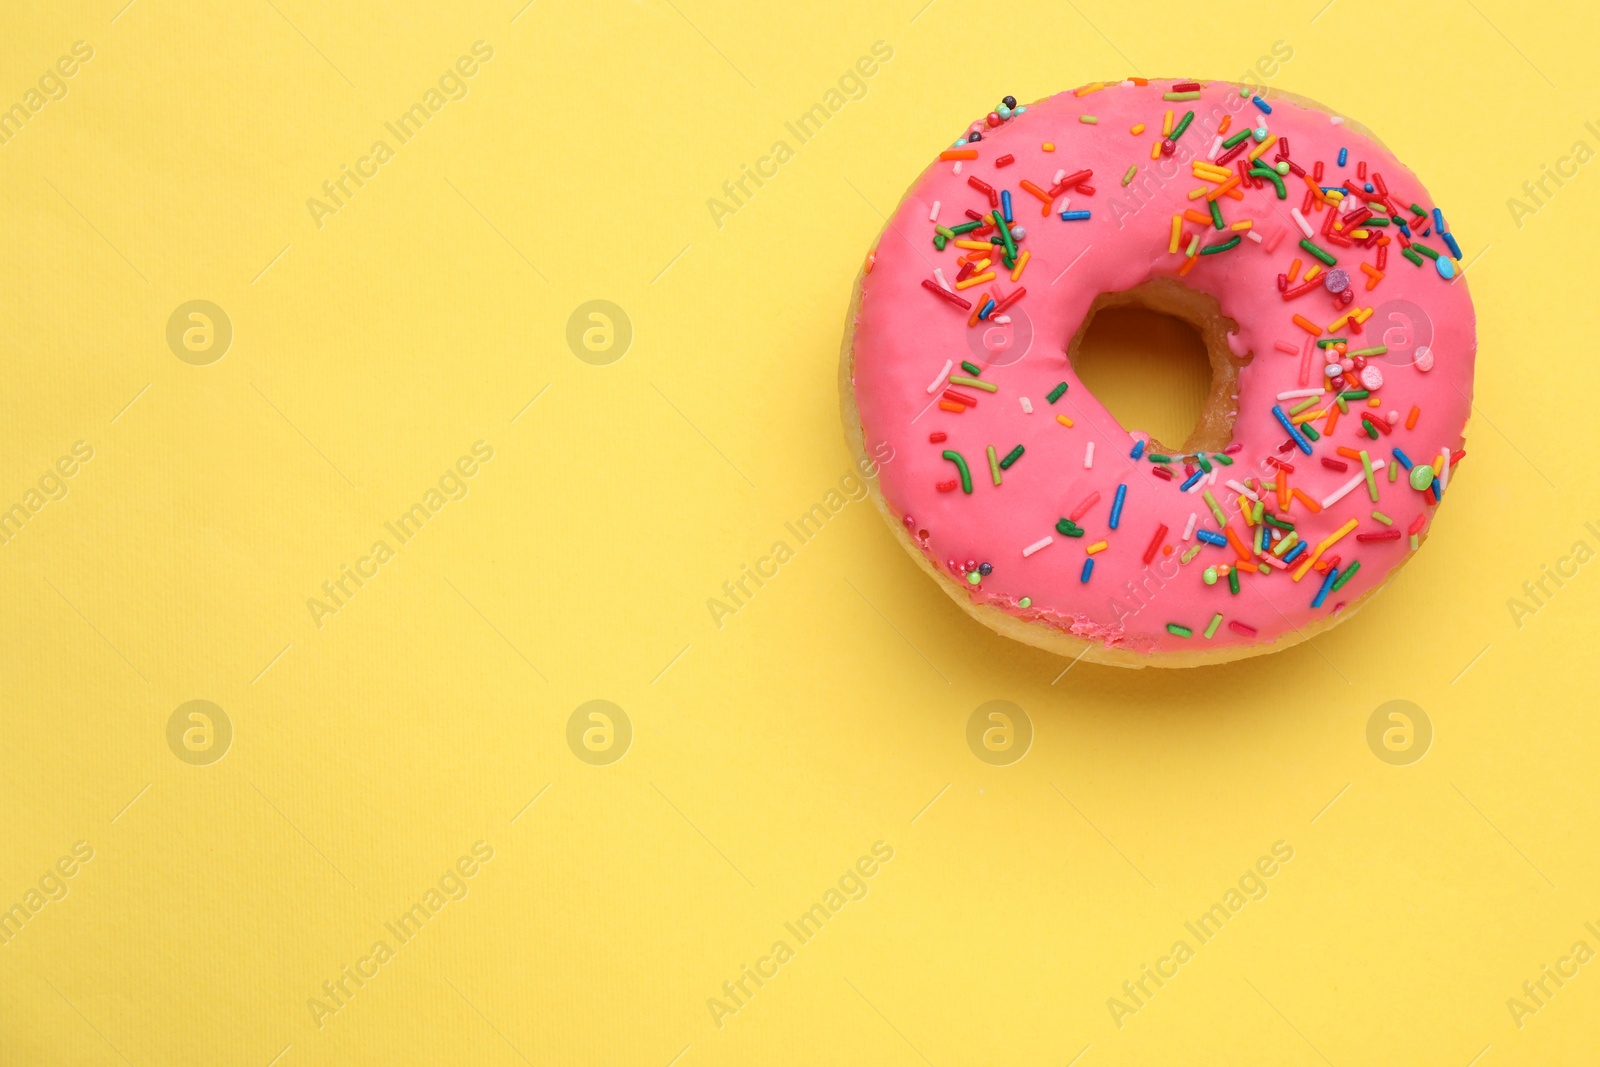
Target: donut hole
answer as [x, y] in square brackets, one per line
[1156, 357]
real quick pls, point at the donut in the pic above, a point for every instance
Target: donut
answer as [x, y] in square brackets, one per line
[1327, 290]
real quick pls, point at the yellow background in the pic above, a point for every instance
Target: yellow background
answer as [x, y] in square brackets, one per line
[370, 752]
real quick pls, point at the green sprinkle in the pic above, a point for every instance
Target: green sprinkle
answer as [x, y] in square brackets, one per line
[1309, 430]
[1236, 138]
[1366, 469]
[1349, 571]
[973, 577]
[1011, 457]
[1282, 524]
[1412, 256]
[1025, 602]
[1381, 517]
[1056, 393]
[1132, 170]
[1375, 350]
[1232, 242]
[965, 227]
[939, 241]
[1216, 512]
[971, 368]
[1209, 576]
[1176, 630]
[1181, 96]
[1304, 404]
[944, 231]
[1190, 554]
[1205, 464]
[1327, 341]
[994, 464]
[1089, 120]
[988, 387]
[1183, 124]
[1271, 175]
[1223, 458]
[1326, 257]
[961, 465]
[1068, 528]
[1424, 249]
[1368, 427]
[1418, 209]
[1344, 409]
[1216, 215]
[1394, 472]
[1353, 394]
[1005, 232]
[1286, 543]
[1211, 627]
[1156, 457]
[1415, 544]
[1233, 580]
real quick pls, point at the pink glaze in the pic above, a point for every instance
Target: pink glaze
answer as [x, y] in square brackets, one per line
[904, 335]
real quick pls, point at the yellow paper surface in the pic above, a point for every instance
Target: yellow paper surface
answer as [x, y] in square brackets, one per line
[410, 362]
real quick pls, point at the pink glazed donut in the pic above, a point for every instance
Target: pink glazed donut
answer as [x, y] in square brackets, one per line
[1328, 292]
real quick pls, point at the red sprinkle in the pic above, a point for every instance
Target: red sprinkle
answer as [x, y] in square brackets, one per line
[1416, 527]
[935, 438]
[945, 294]
[1383, 535]
[1241, 628]
[1005, 160]
[945, 487]
[961, 398]
[1088, 502]
[1335, 464]
[1155, 542]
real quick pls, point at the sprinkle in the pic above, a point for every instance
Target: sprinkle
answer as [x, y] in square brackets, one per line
[1022, 263]
[1180, 631]
[1262, 104]
[1055, 394]
[958, 153]
[1074, 216]
[1068, 528]
[1088, 502]
[1298, 438]
[937, 436]
[1098, 546]
[1037, 545]
[976, 279]
[1138, 450]
[934, 385]
[1327, 584]
[933, 212]
[1136, 129]
[1116, 506]
[1155, 542]
[1195, 477]
[1027, 405]
[1063, 420]
[994, 464]
[1322, 254]
[947, 405]
[946, 295]
[1299, 320]
[1296, 394]
[975, 383]
[1344, 154]
[1340, 493]
[1132, 170]
[1349, 572]
[1212, 538]
[961, 465]
[1011, 457]
[1180, 96]
[1088, 569]
[1089, 120]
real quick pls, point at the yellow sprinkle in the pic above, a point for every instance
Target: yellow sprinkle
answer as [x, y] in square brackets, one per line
[1137, 129]
[1098, 546]
[1307, 416]
[1177, 232]
[1256, 152]
[1087, 89]
[976, 279]
[1338, 324]
[1088, 120]
[1063, 420]
[1155, 150]
[1364, 314]
[1360, 234]
[1210, 171]
[1166, 124]
[1245, 510]
[1022, 261]
[1242, 224]
[1196, 194]
[1313, 272]
[1374, 401]
[981, 246]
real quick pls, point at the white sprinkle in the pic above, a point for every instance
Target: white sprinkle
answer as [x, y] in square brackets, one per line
[1088, 456]
[1062, 206]
[933, 387]
[1062, 173]
[1027, 405]
[1444, 470]
[1188, 531]
[999, 320]
[1337, 120]
[1216, 146]
[938, 272]
[1300, 221]
[1239, 487]
[933, 214]
[1037, 545]
[1298, 394]
[957, 168]
[1254, 236]
[1339, 493]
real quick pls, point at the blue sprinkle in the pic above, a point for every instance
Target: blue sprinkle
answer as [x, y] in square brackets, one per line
[1446, 267]
[1438, 221]
[1138, 450]
[1295, 551]
[1262, 104]
[1195, 477]
[1327, 584]
[1450, 241]
[1074, 216]
[987, 309]
[1210, 538]
[1344, 154]
[1005, 204]
[1299, 438]
[1400, 222]
[1405, 460]
[1088, 569]
[1116, 505]
[1438, 491]
[1367, 187]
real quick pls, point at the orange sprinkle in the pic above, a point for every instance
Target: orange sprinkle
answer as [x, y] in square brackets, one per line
[958, 153]
[1049, 146]
[1238, 546]
[949, 405]
[1294, 270]
[1307, 501]
[1188, 265]
[1137, 129]
[1304, 323]
[1348, 453]
[1411, 419]
[1283, 490]
[1227, 120]
[1333, 419]
[1226, 186]
[1194, 216]
[1063, 420]
[1085, 90]
[1022, 262]
[871, 258]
